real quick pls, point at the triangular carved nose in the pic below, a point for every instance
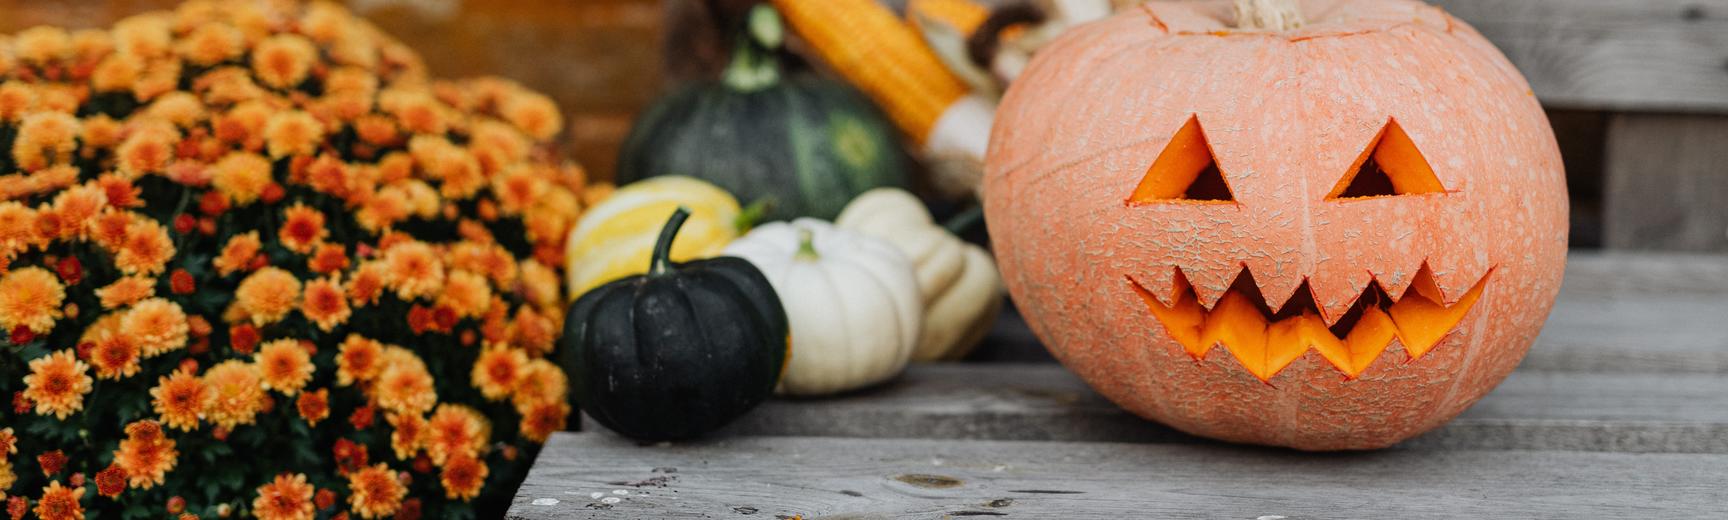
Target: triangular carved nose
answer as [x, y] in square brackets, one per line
[1185, 171]
[1390, 165]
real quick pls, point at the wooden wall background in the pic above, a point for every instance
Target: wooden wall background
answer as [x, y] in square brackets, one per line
[1637, 89]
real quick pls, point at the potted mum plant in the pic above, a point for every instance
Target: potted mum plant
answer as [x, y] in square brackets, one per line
[253, 261]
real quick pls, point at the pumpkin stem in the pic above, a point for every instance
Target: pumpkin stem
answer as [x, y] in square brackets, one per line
[750, 215]
[1268, 15]
[660, 262]
[755, 60]
[806, 246]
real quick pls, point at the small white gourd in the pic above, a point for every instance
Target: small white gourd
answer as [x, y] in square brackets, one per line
[852, 302]
[958, 281]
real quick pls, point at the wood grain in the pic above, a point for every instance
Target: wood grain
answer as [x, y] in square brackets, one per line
[596, 475]
[1667, 186]
[1536, 410]
[1649, 55]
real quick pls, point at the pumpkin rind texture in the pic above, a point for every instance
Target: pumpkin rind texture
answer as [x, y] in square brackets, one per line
[804, 145]
[961, 289]
[675, 354]
[1154, 296]
[852, 302]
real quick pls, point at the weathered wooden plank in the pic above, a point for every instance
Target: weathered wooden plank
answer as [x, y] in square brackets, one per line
[1666, 183]
[596, 475]
[1649, 55]
[1531, 410]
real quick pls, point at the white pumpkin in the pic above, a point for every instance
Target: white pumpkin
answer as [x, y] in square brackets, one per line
[958, 281]
[852, 302]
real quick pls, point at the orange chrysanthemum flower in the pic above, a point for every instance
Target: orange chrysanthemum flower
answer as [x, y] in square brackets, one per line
[408, 435]
[532, 331]
[111, 481]
[533, 113]
[292, 132]
[314, 406]
[112, 352]
[147, 248]
[404, 385]
[146, 454]
[540, 284]
[375, 491]
[455, 430]
[156, 325]
[242, 177]
[466, 293]
[30, 297]
[57, 384]
[18, 228]
[324, 303]
[367, 283]
[183, 109]
[284, 365]
[268, 294]
[237, 393]
[77, 206]
[497, 370]
[413, 269]
[8, 444]
[212, 43]
[283, 60]
[148, 149]
[109, 228]
[463, 476]
[540, 420]
[541, 382]
[517, 188]
[288, 497]
[60, 503]
[238, 253]
[126, 291]
[491, 260]
[302, 228]
[328, 259]
[45, 139]
[181, 398]
[8, 476]
[359, 360]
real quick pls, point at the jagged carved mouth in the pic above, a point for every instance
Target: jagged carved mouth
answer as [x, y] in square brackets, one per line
[1265, 340]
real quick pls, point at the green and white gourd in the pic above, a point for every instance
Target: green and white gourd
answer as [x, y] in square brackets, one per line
[852, 302]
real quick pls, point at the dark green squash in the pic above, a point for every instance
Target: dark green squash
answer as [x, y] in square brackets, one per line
[677, 352]
[804, 145]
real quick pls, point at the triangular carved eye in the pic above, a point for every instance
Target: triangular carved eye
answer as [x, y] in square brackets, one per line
[1185, 171]
[1391, 165]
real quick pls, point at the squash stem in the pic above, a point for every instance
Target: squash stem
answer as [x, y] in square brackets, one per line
[755, 63]
[660, 262]
[806, 246]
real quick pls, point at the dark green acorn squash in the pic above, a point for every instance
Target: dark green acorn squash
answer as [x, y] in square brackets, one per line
[804, 145]
[677, 352]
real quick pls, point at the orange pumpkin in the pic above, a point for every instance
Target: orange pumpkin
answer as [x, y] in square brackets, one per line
[1335, 234]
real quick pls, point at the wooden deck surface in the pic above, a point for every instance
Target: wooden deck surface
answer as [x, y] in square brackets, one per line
[1620, 411]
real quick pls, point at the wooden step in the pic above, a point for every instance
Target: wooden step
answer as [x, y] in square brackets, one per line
[597, 475]
[1533, 410]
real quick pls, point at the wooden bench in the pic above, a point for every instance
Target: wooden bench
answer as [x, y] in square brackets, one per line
[1620, 410]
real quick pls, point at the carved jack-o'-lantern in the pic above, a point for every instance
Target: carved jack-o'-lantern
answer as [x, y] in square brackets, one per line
[1334, 235]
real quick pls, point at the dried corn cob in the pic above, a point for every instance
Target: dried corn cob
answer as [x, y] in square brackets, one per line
[865, 42]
